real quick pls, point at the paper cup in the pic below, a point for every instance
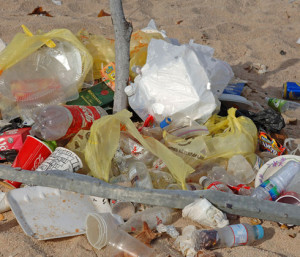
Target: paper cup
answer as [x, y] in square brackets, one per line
[61, 159]
[30, 156]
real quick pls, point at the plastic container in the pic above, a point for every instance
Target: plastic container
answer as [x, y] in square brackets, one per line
[229, 236]
[161, 179]
[214, 185]
[102, 230]
[139, 175]
[59, 122]
[4, 205]
[153, 216]
[282, 105]
[275, 185]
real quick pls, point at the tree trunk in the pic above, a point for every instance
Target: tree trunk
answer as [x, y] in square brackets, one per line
[123, 30]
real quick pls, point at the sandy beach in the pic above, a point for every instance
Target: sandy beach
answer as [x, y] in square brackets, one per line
[242, 32]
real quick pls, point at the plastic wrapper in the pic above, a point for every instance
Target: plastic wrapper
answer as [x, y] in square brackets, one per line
[186, 242]
[169, 229]
[104, 141]
[189, 71]
[228, 136]
[267, 120]
[203, 212]
[43, 69]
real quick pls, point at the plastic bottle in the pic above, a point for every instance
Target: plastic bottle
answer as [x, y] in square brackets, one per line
[229, 236]
[277, 183]
[153, 216]
[214, 185]
[282, 105]
[139, 175]
[59, 122]
[161, 179]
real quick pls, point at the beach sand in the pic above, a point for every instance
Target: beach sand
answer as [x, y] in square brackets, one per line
[242, 32]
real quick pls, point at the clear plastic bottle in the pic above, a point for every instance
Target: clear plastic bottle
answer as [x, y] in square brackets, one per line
[139, 174]
[161, 179]
[153, 216]
[281, 105]
[229, 236]
[214, 185]
[59, 122]
[271, 188]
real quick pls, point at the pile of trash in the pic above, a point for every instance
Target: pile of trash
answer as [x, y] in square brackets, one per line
[190, 130]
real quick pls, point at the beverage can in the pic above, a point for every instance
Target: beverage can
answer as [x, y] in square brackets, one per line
[291, 90]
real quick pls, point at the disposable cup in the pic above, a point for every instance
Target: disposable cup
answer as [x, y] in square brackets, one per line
[102, 230]
[61, 159]
[30, 156]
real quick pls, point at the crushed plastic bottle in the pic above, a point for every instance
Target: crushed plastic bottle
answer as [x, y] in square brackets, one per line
[169, 229]
[139, 174]
[161, 179]
[229, 236]
[214, 185]
[241, 169]
[153, 216]
[277, 183]
[55, 122]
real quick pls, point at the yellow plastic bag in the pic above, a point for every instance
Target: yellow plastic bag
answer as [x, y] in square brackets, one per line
[138, 49]
[104, 141]
[24, 44]
[101, 49]
[228, 136]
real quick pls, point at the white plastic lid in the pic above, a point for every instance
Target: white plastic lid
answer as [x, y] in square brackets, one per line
[129, 90]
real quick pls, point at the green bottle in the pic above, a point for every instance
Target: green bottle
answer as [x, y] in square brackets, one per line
[282, 105]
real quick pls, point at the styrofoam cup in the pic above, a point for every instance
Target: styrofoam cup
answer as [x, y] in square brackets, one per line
[102, 229]
[61, 159]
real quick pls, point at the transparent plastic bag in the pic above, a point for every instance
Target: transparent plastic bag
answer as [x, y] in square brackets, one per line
[38, 70]
[228, 136]
[104, 142]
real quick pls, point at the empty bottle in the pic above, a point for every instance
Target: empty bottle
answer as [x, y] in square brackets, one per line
[282, 105]
[139, 174]
[229, 236]
[153, 216]
[214, 185]
[277, 183]
[60, 122]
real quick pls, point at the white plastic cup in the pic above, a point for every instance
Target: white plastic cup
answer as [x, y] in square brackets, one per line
[4, 205]
[61, 159]
[102, 230]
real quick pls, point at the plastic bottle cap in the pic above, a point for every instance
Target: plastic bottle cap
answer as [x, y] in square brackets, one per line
[260, 231]
[202, 179]
[129, 90]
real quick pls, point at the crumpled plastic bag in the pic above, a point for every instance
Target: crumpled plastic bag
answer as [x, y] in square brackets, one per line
[104, 141]
[203, 212]
[185, 79]
[186, 242]
[228, 136]
[42, 69]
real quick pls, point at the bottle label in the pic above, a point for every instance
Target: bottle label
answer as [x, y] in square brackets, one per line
[217, 186]
[276, 104]
[240, 234]
[82, 118]
[271, 188]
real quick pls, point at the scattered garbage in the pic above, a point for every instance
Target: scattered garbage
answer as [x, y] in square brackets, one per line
[203, 212]
[102, 229]
[194, 141]
[229, 236]
[291, 90]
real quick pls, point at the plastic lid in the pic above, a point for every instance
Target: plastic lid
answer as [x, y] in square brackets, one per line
[129, 91]
[202, 179]
[260, 231]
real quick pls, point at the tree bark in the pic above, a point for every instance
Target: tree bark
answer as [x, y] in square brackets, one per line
[234, 204]
[123, 30]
